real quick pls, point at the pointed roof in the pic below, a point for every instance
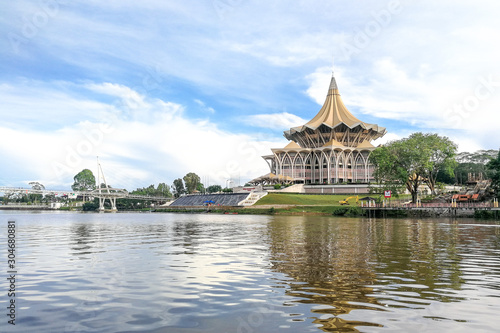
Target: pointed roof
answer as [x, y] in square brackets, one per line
[334, 113]
[365, 144]
[292, 145]
[333, 143]
[334, 121]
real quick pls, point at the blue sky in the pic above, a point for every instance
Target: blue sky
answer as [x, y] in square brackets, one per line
[161, 88]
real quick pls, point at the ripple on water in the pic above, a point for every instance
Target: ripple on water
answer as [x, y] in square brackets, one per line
[187, 273]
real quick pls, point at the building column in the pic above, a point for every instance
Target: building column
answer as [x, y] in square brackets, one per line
[328, 167]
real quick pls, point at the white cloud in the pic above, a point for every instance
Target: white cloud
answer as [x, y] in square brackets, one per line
[423, 103]
[37, 104]
[276, 121]
[386, 138]
[204, 107]
[407, 74]
[158, 147]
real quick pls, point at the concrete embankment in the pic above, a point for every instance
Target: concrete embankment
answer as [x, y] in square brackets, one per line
[25, 207]
[432, 212]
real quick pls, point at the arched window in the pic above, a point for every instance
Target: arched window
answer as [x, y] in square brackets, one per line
[359, 171]
[349, 166]
[333, 167]
[298, 168]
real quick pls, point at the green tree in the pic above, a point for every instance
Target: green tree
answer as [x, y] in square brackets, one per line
[38, 187]
[463, 170]
[477, 157]
[214, 188]
[494, 166]
[200, 188]
[91, 205]
[472, 163]
[413, 161]
[441, 152]
[191, 180]
[178, 187]
[163, 190]
[84, 181]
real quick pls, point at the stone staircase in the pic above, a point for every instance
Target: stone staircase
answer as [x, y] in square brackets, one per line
[297, 188]
[252, 198]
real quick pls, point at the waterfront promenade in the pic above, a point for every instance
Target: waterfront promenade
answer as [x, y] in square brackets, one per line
[444, 209]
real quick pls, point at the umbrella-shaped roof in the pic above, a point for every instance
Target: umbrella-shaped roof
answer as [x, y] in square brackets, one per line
[334, 117]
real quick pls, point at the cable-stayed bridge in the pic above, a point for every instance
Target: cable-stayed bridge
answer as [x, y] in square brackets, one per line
[103, 194]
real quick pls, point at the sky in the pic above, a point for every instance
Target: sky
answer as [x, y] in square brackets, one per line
[158, 89]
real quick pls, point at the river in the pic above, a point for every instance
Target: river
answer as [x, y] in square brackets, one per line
[154, 272]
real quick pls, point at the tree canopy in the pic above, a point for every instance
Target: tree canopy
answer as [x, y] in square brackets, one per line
[162, 190]
[477, 157]
[214, 188]
[178, 187]
[191, 180]
[201, 188]
[442, 156]
[474, 163]
[413, 161]
[84, 181]
[494, 166]
[37, 186]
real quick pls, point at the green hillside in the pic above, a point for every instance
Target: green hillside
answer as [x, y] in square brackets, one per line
[302, 199]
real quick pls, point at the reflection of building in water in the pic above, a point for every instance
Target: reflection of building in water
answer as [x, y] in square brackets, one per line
[334, 264]
[330, 264]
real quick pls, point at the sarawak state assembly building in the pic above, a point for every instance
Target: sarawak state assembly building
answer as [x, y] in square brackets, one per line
[332, 148]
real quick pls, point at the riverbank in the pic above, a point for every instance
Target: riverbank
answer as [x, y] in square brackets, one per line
[346, 211]
[254, 210]
[26, 208]
[305, 210]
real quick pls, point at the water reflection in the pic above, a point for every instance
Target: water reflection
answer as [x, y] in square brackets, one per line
[339, 266]
[83, 237]
[187, 236]
[217, 273]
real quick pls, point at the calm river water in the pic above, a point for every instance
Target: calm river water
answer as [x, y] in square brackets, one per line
[152, 272]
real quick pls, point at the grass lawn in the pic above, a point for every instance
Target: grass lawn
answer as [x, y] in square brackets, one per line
[303, 199]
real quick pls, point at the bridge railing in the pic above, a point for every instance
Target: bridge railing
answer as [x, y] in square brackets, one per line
[118, 193]
[433, 205]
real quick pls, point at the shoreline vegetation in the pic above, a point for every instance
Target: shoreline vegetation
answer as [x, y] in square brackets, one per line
[289, 204]
[306, 204]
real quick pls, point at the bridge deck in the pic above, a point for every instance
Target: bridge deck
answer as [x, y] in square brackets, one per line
[114, 193]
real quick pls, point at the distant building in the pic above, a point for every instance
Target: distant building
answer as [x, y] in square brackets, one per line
[331, 148]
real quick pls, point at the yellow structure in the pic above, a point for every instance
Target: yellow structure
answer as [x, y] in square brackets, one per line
[346, 201]
[333, 147]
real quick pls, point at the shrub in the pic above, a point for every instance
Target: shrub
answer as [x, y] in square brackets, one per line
[354, 211]
[484, 214]
[340, 211]
[348, 211]
[89, 206]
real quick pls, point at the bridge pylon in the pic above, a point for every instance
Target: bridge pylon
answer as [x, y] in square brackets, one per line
[110, 193]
